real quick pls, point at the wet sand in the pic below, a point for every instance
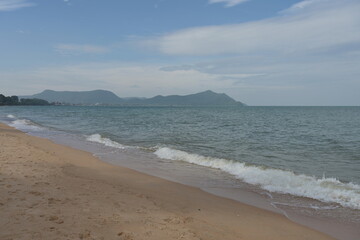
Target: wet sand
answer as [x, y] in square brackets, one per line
[50, 191]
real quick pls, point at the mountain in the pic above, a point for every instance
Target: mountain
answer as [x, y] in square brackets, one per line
[207, 98]
[85, 97]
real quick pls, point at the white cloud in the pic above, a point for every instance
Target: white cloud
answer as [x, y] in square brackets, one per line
[255, 81]
[71, 49]
[315, 25]
[304, 4]
[121, 78]
[11, 5]
[228, 3]
[213, 69]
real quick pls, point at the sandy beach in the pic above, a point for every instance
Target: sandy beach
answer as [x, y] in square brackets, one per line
[49, 191]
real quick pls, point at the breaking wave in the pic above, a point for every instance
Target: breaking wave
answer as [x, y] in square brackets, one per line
[324, 189]
[25, 125]
[105, 141]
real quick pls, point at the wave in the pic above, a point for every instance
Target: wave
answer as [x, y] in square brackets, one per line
[10, 116]
[312, 206]
[105, 141]
[25, 125]
[324, 189]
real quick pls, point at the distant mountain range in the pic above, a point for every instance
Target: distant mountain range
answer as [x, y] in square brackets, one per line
[103, 97]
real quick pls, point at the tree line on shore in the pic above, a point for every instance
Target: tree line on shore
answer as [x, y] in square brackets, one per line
[15, 101]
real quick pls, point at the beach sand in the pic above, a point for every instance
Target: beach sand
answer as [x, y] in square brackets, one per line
[49, 191]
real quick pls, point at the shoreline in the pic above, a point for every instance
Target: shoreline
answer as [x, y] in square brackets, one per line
[52, 191]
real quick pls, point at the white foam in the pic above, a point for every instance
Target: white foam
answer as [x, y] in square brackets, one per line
[105, 141]
[316, 207]
[276, 180]
[26, 125]
[11, 116]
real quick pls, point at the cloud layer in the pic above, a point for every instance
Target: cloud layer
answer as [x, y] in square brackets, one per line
[228, 3]
[125, 79]
[71, 49]
[307, 26]
[11, 5]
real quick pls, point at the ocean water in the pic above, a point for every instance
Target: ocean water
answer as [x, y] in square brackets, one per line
[303, 160]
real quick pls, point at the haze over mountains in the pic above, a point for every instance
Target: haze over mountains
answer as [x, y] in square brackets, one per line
[103, 97]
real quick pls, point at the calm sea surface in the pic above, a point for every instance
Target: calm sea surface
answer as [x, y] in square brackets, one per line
[305, 152]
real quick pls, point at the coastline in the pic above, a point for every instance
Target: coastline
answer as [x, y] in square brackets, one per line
[51, 191]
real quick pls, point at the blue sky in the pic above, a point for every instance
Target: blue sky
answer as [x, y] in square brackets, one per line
[260, 52]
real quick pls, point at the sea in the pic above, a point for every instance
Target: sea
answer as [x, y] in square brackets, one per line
[302, 162]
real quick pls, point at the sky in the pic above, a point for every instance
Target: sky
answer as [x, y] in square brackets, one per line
[260, 52]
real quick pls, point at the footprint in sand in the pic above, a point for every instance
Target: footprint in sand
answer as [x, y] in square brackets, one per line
[85, 235]
[125, 236]
[36, 193]
[53, 201]
[56, 219]
[174, 220]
